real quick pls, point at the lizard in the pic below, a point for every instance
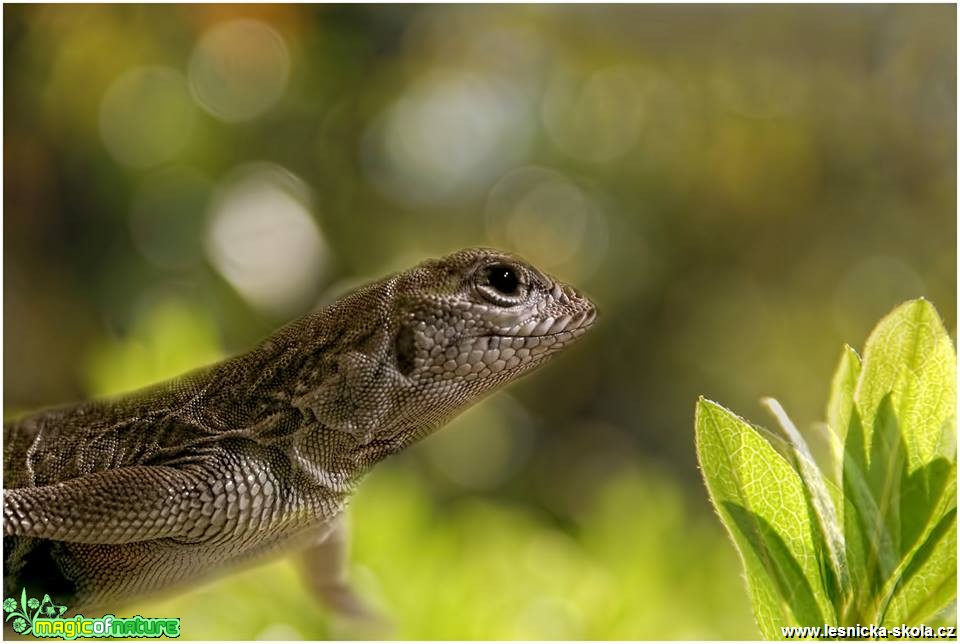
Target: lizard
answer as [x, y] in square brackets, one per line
[255, 457]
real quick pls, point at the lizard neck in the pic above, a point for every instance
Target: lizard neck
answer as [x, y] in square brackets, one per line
[335, 461]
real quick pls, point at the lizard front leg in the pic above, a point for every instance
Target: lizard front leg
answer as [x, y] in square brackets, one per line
[117, 506]
[325, 573]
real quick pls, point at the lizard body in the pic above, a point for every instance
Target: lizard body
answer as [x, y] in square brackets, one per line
[255, 457]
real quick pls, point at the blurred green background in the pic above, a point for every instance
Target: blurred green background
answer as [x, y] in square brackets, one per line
[740, 188]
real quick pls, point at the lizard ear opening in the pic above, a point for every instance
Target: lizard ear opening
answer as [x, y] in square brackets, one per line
[405, 350]
[356, 399]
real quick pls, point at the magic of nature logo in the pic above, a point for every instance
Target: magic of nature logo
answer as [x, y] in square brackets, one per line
[44, 618]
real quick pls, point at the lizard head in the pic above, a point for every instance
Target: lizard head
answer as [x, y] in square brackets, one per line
[473, 321]
[440, 336]
[483, 316]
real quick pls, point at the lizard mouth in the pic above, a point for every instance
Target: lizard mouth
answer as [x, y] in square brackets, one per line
[553, 326]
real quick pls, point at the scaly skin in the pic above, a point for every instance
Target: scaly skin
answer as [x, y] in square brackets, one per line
[255, 457]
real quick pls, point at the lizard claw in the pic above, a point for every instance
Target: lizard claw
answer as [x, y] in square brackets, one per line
[353, 612]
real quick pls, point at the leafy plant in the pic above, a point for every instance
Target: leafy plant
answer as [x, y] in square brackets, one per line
[870, 535]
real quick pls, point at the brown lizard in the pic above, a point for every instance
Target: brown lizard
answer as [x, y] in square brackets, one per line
[255, 457]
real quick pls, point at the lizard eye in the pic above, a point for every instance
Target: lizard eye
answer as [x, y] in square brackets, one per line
[504, 279]
[501, 284]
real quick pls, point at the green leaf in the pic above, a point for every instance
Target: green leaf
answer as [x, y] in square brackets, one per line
[925, 496]
[891, 423]
[910, 356]
[929, 582]
[856, 503]
[885, 472]
[906, 395]
[840, 403]
[760, 499]
[941, 510]
[870, 552]
[827, 532]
